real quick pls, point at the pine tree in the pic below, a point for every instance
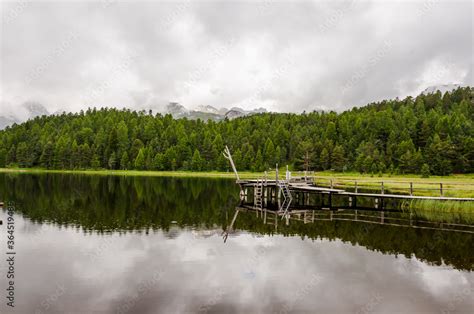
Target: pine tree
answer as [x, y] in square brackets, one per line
[46, 159]
[85, 155]
[269, 155]
[196, 162]
[425, 171]
[406, 162]
[148, 159]
[122, 138]
[258, 162]
[140, 160]
[136, 147]
[325, 159]
[338, 161]
[3, 158]
[95, 162]
[237, 157]
[112, 161]
[367, 166]
[22, 155]
[159, 161]
[124, 161]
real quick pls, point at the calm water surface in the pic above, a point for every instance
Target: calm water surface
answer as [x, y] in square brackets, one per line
[91, 244]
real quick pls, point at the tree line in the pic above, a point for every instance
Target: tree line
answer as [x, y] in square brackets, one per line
[432, 133]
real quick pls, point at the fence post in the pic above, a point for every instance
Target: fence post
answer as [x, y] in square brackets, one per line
[355, 181]
[441, 189]
[331, 183]
[382, 187]
[276, 174]
[411, 188]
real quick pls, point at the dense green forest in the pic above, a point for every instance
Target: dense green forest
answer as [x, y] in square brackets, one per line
[432, 133]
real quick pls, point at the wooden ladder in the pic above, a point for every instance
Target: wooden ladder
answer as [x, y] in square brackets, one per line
[287, 198]
[258, 196]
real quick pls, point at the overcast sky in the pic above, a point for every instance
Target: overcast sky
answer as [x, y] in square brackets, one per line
[284, 56]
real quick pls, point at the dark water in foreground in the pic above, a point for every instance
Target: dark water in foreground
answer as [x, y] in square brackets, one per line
[90, 244]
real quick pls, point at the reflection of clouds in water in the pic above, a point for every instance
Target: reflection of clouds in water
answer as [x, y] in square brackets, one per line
[197, 265]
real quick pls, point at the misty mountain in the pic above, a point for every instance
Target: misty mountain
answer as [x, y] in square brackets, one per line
[442, 88]
[209, 112]
[21, 113]
[6, 121]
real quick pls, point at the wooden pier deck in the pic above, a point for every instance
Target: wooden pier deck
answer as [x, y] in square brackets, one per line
[283, 194]
[308, 186]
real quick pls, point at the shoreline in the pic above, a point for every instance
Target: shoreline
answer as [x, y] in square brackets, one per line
[454, 178]
[461, 185]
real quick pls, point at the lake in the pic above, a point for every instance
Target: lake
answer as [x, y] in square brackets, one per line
[111, 244]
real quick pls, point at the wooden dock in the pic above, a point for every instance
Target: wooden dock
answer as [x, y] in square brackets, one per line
[309, 187]
[289, 194]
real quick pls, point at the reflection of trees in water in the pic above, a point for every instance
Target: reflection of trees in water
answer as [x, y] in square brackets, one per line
[433, 246]
[120, 203]
[100, 203]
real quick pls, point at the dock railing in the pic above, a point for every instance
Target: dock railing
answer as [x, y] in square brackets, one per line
[405, 187]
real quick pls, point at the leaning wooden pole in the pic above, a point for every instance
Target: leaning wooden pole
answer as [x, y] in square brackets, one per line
[228, 156]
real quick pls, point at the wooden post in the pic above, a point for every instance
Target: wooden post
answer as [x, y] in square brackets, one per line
[276, 170]
[441, 189]
[411, 188]
[355, 185]
[228, 156]
[382, 189]
[265, 195]
[330, 200]
[276, 222]
[331, 183]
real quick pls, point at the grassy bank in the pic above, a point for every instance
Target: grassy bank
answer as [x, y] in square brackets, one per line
[452, 186]
[446, 211]
[209, 174]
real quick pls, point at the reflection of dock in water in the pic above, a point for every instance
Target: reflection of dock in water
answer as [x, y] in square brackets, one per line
[276, 219]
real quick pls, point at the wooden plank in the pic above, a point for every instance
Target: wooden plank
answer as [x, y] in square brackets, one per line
[313, 188]
[439, 198]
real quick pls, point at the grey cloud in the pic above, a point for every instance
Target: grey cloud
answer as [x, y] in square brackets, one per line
[330, 42]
